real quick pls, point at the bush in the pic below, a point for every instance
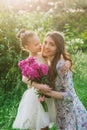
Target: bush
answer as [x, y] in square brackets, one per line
[10, 51]
[67, 22]
[80, 75]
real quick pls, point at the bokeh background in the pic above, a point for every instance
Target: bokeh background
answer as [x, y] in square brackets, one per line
[66, 16]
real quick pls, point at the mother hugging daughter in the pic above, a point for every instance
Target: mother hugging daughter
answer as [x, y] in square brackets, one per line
[64, 107]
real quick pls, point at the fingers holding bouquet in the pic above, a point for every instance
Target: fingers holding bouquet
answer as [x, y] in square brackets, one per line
[44, 88]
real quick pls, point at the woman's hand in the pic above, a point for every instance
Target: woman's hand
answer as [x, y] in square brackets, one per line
[44, 88]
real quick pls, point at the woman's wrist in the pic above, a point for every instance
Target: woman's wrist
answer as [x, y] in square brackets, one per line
[36, 85]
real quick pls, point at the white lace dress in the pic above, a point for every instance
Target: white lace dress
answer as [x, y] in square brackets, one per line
[31, 114]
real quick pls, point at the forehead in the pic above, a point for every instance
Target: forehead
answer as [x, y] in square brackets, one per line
[34, 39]
[49, 39]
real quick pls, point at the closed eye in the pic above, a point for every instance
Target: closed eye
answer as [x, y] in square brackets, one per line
[45, 42]
[37, 44]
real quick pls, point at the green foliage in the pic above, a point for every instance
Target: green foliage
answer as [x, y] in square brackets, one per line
[10, 53]
[67, 22]
[80, 75]
[9, 105]
[53, 127]
[11, 86]
[10, 50]
[74, 43]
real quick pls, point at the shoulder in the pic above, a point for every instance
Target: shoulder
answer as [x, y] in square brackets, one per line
[60, 64]
[59, 68]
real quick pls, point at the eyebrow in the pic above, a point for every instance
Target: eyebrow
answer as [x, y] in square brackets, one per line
[49, 42]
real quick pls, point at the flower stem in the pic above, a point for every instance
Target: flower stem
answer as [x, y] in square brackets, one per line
[45, 107]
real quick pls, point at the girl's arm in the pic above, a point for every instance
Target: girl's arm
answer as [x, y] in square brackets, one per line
[26, 81]
[66, 66]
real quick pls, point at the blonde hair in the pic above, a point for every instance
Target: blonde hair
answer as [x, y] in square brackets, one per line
[24, 36]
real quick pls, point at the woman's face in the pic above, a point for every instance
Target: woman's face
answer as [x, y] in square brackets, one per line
[34, 45]
[49, 47]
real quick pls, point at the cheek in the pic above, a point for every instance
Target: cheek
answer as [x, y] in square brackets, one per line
[43, 48]
[43, 52]
[53, 50]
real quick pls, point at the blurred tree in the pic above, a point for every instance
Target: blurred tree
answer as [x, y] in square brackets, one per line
[44, 5]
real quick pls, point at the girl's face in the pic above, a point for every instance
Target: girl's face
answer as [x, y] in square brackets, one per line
[49, 47]
[34, 45]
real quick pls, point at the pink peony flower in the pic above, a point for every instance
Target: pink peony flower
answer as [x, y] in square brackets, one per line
[43, 69]
[24, 70]
[32, 74]
[35, 65]
[41, 99]
[21, 64]
[37, 73]
[30, 60]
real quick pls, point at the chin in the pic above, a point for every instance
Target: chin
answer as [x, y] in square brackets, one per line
[39, 50]
[44, 55]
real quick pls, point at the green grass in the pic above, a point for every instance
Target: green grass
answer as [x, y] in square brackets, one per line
[9, 104]
[80, 76]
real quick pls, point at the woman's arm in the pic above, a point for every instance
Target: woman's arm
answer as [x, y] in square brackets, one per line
[65, 82]
[55, 94]
[66, 96]
[42, 87]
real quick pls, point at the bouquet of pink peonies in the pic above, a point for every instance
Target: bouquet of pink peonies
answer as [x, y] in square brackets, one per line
[35, 72]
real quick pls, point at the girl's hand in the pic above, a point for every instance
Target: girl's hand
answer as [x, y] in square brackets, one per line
[65, 66]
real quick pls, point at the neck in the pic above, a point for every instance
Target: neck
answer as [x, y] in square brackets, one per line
[33, 54]
[49, 60]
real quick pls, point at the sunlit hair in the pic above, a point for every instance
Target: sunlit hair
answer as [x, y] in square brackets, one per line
[24, 36]
[60, 45]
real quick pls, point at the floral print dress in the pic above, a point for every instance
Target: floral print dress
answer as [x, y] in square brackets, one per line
[71, 114]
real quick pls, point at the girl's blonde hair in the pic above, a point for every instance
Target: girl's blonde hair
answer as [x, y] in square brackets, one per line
[24, 36]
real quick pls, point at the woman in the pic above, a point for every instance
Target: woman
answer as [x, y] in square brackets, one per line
[71, 114]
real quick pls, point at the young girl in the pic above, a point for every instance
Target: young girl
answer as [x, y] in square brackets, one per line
[71, 114]
[31, 114]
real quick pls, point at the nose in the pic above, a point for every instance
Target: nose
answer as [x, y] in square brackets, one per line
[40, 45]
[46, 46]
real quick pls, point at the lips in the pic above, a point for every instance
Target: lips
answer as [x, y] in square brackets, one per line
[39, 48]
[46, 51]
